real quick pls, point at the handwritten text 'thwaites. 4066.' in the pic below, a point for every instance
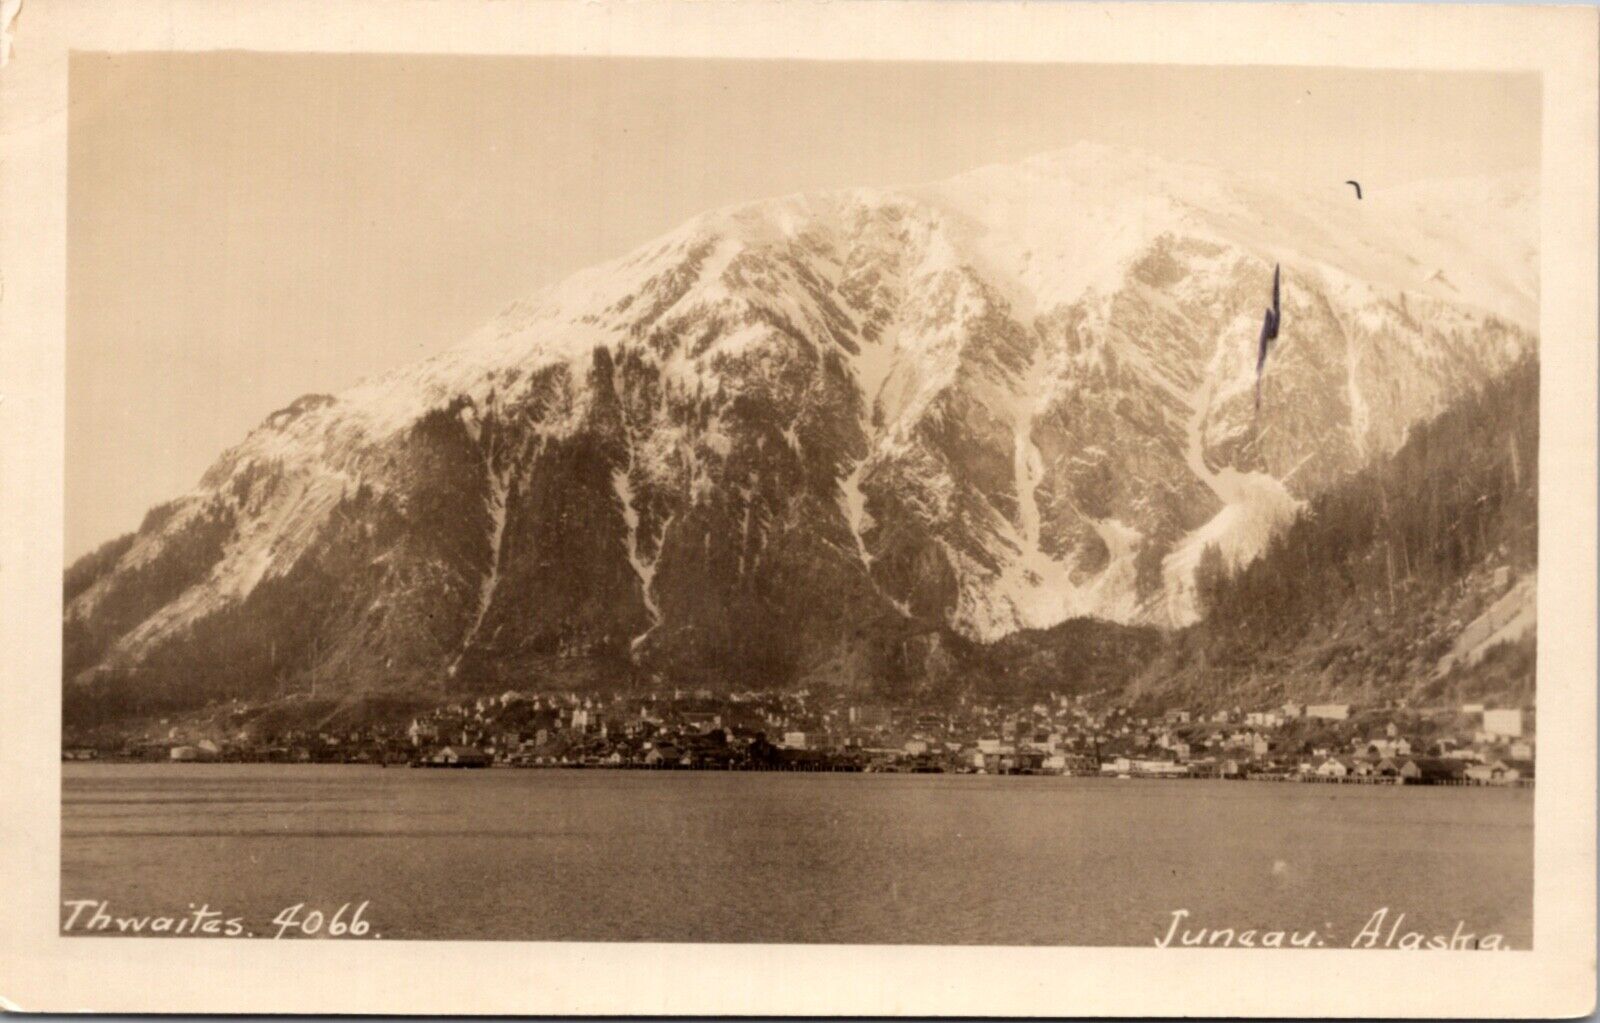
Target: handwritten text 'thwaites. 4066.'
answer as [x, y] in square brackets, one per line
[95, 916]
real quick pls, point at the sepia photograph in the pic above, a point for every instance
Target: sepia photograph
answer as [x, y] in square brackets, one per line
[689, 499]
[1048, 489]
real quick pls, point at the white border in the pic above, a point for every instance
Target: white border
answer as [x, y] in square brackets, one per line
[41, 971]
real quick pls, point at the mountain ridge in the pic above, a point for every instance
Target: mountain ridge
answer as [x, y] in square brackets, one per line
[995, 403]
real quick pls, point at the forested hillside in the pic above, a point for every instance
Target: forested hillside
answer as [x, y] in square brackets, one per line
[1370, 586]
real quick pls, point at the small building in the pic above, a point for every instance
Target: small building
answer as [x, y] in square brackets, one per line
[1495, 772]
[1226, 767]
[1333, 768]
[663, 755]
[1385, 747]
[701, 721]
[461, 756]
[1159, 768]
[1328, 711]
[869, 717]
[1116, 765]
[1432, 771]
[1505, 724]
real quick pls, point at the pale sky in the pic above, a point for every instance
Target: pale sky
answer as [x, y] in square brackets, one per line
[246, 228]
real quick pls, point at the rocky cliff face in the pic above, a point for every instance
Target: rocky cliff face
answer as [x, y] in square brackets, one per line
[788, 437]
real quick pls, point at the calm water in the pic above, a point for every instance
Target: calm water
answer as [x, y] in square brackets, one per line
[644, 856]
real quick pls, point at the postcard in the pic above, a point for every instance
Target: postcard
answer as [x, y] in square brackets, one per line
[799, 508]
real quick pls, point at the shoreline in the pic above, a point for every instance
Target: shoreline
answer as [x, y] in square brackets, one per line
[1368, 782]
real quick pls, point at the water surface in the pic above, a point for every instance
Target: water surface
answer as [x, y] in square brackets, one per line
[704, 856]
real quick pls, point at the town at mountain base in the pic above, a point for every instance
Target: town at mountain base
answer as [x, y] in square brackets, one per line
[992, 436]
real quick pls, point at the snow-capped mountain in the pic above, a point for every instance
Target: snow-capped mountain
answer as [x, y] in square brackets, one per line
[752, 446]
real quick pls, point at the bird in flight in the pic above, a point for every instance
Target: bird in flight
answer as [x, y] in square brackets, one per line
[1269, 334]
[1355, 185]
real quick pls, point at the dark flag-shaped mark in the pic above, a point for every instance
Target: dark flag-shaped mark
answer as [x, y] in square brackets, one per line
[1269, 334]
[1355, 185]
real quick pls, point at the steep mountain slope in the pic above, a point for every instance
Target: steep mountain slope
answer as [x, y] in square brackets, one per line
[785, 438]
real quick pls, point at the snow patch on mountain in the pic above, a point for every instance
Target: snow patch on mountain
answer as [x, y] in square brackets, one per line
[1038, 587]
[644, 568]
[1254, 504]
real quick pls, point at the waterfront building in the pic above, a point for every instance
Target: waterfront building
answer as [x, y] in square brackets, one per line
[1502, 723]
